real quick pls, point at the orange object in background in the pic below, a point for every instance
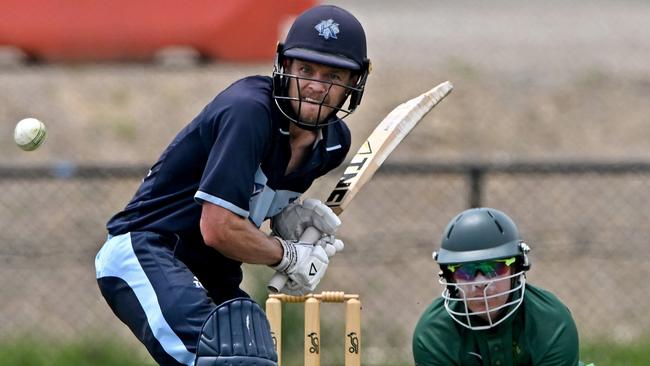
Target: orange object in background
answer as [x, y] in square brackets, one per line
[114, 30]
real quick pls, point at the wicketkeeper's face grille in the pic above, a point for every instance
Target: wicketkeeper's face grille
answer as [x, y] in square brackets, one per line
[483, 303]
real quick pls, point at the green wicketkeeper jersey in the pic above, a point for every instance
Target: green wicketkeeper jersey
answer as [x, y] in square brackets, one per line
[541, 333]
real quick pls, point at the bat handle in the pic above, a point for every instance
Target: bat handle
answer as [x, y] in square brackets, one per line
[310, 235]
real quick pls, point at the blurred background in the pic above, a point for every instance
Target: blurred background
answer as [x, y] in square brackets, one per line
[548, 121]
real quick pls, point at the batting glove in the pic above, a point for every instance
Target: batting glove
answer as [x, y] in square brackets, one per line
[330, 244]
[298, 216]
[304, 263]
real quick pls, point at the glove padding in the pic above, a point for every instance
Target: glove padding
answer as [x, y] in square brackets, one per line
[298, 216]
[293, 288]
[304, 264]
[330, 244]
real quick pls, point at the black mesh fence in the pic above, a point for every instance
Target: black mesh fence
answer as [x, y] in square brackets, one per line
[584, 221]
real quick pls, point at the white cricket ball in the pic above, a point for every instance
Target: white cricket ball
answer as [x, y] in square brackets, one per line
[30, 133]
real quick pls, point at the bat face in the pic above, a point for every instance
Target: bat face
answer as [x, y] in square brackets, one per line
[381, 142]
[349, 177]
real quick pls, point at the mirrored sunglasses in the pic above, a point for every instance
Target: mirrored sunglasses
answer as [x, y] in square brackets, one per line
[490, 269]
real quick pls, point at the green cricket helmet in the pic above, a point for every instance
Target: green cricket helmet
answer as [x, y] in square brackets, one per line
[480, 234]
[485, 241]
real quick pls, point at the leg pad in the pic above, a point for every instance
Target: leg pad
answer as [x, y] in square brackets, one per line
[236, 333]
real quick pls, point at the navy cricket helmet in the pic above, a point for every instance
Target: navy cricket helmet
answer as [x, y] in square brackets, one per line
[328, 35]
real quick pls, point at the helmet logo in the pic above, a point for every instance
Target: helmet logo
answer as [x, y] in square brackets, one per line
[327, 29]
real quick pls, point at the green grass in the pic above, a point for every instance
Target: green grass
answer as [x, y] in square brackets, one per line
[27, 352]
[610, 353]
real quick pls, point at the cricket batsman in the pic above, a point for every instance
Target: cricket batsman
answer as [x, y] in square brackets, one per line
[171, 266]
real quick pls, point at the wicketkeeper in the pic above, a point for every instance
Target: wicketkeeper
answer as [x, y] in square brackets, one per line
[488, 314]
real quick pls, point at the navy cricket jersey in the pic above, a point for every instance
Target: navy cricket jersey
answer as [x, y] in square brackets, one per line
[233, 154]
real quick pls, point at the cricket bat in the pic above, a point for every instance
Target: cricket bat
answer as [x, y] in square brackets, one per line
[373, 152]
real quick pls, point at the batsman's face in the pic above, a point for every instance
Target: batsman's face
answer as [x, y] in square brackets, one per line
[316, 90]
[483, 294]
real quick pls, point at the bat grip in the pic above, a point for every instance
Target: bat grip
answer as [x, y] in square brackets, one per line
[310, 235]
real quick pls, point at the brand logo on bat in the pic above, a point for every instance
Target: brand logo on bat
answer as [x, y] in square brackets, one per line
[357, 164]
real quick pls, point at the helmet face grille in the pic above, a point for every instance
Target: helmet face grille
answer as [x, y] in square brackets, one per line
[458, 302]
[281, 81]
